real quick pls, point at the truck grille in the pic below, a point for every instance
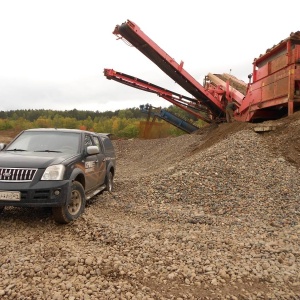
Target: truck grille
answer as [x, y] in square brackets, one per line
[17, 174]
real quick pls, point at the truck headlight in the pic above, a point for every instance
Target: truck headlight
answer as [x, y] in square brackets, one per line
[55, 172]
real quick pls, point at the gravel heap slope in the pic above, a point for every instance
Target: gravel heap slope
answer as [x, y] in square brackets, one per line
[212, 215]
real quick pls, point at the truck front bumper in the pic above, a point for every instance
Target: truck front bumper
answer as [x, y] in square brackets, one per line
[42, 194]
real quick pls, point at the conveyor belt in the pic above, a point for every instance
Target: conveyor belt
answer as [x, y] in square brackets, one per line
[172, 119]
[188, 104]
[138, 39]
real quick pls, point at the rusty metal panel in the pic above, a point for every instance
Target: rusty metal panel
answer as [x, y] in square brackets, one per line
[296, 54]
[267, 92]
[297, 72]
[281, 87]
[281, 74]
[268, 80]
[262, 72]
[278, 63]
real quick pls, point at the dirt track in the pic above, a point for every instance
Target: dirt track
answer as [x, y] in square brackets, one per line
[213, 215]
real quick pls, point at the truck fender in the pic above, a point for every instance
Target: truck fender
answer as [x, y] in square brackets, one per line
[78, 175]
[110, 167]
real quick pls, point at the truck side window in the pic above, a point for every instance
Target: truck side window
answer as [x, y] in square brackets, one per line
[88, 141]
[98, 144]
[108, 144]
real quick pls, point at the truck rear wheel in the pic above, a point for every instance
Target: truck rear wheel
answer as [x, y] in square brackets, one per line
[109, 182]
[74, 206]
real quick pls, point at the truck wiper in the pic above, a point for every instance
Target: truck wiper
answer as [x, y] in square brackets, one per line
[15, 149]
[56, 151]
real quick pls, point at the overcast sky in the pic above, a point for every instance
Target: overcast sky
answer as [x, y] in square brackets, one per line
[53, 52]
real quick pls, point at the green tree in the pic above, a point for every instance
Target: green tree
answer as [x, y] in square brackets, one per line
[58, 121]
[43, 122]
[88, 123]
[130, 131]
[125, 114]
[5, 124]
[71, 123]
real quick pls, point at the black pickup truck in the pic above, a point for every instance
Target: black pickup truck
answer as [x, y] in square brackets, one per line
[57, 168]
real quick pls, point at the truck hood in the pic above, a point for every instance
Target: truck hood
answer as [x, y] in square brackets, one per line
[39, 160]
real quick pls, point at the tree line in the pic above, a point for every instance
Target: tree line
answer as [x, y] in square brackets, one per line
[121, 123]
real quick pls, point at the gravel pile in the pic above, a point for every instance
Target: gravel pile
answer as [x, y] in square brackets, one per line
[192, 217]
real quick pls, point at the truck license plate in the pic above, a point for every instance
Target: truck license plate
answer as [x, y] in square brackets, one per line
[10, 195]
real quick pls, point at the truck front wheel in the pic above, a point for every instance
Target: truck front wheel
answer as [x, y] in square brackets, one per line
[73, 208]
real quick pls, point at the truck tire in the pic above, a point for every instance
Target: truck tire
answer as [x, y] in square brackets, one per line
[1, 209]
[73, 208]
[109, 182]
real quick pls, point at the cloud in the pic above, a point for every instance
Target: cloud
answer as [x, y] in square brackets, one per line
[54, 52]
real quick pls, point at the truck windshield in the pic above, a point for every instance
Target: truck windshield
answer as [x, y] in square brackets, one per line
[43, 141]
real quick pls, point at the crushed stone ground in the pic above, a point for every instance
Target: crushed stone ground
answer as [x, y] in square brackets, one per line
[211, 215]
